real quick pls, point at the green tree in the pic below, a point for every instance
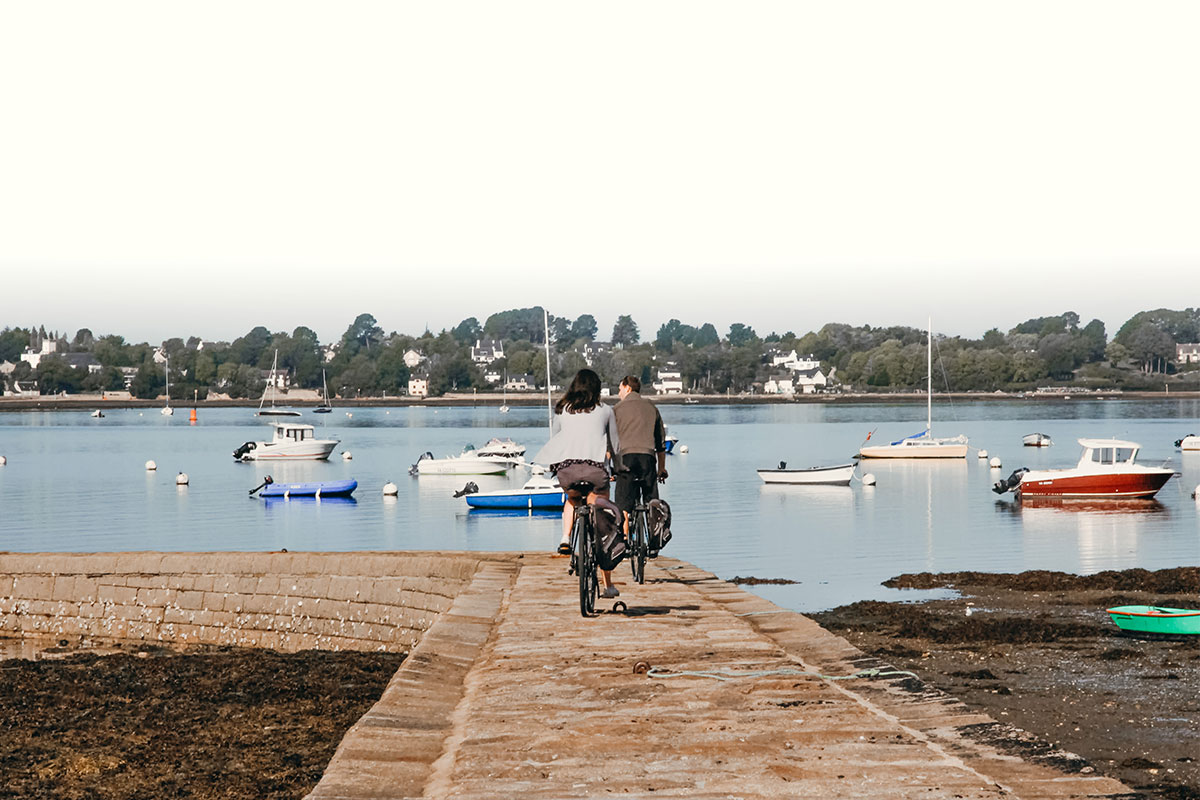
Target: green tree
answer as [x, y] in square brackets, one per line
[391, 372]
[584, 328]
[13, 342]
[519, 323]
[467, 331]
[706, 336]
[362, 334]
[741, 335]
[625, 332]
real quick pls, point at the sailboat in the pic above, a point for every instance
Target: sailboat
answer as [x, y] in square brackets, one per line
[326, 408]
[166, 410]
[272, 411]
[923, 444]
[504, 402]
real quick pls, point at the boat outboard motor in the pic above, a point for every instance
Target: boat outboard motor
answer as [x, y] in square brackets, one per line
[470, 488]
[267, 481]
[1179, 442]
[1012, 482]
[240, 453]
[783, 465]
[414, 470]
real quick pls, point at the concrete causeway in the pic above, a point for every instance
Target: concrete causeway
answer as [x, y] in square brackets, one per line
[509, 692]
[512, 694]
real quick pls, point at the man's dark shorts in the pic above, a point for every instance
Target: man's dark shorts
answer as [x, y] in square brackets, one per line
[640, 471]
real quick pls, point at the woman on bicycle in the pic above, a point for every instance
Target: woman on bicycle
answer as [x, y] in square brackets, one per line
[583, 437]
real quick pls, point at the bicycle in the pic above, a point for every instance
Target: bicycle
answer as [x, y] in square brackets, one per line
[639, 541]
[583, 550]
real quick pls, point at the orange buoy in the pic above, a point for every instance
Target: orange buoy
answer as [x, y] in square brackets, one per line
[192, 417]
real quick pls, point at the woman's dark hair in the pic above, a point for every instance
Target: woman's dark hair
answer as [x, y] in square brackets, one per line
[582, 395]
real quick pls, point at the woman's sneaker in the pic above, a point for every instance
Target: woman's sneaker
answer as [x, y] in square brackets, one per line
[611, 592]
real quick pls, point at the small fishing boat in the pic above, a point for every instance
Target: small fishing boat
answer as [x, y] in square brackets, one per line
[98, 414]
[504, 448]
[290, 442]
[1036, 440]
[539, 492]
[469, 462]
[1152, 619]
[1107, 468]
[1189, 442]
[166, 410]
[838, 475]
[316, 489]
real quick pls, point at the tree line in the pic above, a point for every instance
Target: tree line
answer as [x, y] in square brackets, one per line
[366, 361]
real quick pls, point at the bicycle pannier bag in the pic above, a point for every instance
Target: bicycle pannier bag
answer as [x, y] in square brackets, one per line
[609, 537]
[660, 525]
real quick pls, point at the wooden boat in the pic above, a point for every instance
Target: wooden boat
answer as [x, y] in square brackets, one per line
[317, 489]
[1106, 469]
[838, 475]
[923, 444]
[1036, 440]
[1152, 619]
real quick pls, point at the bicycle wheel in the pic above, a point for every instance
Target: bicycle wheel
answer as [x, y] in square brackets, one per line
[585, 558]
[639, 544]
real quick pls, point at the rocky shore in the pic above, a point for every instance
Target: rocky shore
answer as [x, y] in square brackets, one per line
[1036, 650]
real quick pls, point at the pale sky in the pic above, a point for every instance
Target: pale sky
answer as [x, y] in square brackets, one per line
[198, 169]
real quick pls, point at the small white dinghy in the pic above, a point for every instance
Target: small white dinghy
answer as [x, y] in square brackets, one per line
[838, 475]
[1036, 440]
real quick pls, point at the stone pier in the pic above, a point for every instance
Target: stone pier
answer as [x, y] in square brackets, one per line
[508, 691]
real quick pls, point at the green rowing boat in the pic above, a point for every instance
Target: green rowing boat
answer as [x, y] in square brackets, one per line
[1152, 619]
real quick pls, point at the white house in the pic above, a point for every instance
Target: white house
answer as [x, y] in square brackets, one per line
[486, 351]
[520, 383]
[792, 361]
[781, 383]
[418, 386]
[591, 350]
[32, 358]
[810, 380]
[1187, 353]
[491, 375]
[413, 358]
[670, 380]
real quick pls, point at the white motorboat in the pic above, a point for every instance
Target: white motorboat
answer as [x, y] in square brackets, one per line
[290, 442]
[98, 414]
[540, 492]
[838, 475]
[923, 444]
[1036, 440]
[469, 462]
[1189, 442]
[1107, 469]
[506, 448]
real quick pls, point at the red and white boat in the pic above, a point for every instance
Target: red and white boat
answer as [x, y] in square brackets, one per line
[1107, 469]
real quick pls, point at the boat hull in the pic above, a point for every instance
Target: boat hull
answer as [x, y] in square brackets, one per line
[916, 449]
[1152, 619]
[813, 476]
[315, 489]
[1113, 485]
[463, 466]
[1036, 440]
[539, 499]
[1191, 442]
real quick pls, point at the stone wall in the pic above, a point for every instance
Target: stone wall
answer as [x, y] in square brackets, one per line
[283, 601]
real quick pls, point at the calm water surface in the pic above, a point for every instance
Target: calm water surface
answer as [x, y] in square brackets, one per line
[73, 483]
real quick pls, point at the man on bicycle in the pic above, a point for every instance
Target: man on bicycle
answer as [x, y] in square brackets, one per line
[641, 456]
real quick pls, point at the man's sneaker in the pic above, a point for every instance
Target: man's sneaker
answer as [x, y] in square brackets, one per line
[652, 554]
[611, 592]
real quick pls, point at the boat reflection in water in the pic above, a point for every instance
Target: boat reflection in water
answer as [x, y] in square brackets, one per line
[306, 500]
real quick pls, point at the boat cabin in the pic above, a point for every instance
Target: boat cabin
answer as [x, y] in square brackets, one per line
[294, 433]
[1107, 452]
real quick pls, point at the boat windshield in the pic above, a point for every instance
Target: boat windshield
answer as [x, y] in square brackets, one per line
[1113, 455]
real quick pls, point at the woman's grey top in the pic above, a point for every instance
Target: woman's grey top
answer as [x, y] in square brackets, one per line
[583, 436]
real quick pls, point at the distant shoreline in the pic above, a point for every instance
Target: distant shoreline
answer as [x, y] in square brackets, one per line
[89, 403]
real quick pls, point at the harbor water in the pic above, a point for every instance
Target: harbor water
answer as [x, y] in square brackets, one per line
[77, 483]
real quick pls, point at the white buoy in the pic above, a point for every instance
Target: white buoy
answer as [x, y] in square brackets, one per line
[3, 461]
[683, 448]
[151, 466]
[346, 456]
[348, 414]
[995, 463]
[868, 479]
[983, 453]
[181, 479]
[390, 489]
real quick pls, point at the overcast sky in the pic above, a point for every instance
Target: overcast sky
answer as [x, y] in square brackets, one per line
[198, 169]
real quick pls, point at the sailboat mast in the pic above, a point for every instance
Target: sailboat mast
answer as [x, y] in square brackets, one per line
[929, 381]
[549, 402]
